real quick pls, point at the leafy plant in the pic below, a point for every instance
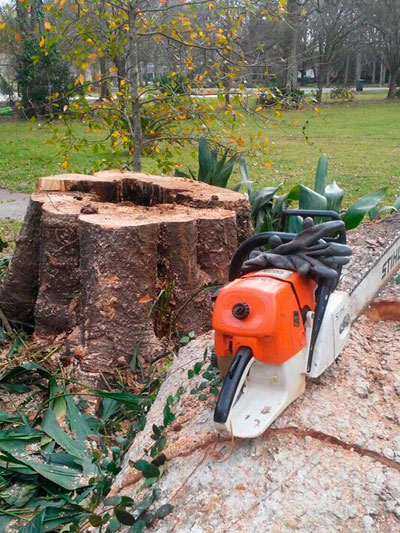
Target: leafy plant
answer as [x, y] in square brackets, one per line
[173, 84]
[214, 168]
[354, 215]
[7, 90]
[57, 465]
[342, 93]
[267, 206]
[40, 77]
[284, 97]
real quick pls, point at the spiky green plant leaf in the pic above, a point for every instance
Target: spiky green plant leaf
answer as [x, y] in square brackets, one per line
[205, 161]
[356, 212]
[321, 176]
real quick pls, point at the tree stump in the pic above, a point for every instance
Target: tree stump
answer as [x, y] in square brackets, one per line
[117, 261]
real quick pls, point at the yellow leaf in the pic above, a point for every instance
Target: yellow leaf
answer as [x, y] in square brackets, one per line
[64, 164]
[2, 25]
[317, 109]
[47, 25]
[84, 66]
[42, 42]
[80, 79]
[259, 108]
[93, 57]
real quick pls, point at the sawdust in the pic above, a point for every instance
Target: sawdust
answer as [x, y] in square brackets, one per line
[368, 241]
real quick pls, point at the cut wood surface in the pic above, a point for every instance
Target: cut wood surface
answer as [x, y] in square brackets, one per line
[330, 462]
[96, 252]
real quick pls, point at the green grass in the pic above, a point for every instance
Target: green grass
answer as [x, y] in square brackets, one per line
[8, 232]
[361, 140]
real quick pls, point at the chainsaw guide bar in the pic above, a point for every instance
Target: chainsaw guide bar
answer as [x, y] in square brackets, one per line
[294, 305]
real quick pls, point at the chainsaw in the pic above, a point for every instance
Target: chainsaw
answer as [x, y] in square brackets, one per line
[282, 317]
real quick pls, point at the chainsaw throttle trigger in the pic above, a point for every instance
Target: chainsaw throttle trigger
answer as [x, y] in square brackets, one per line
[231, 383]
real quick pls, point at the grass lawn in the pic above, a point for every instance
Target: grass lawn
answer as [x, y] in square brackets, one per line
[361, 140]
[8, 231]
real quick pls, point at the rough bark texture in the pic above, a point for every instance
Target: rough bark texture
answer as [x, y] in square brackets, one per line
[19, 291]
[96, 251]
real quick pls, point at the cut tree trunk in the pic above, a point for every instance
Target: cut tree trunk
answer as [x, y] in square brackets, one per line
[326, 438]
[119, 261]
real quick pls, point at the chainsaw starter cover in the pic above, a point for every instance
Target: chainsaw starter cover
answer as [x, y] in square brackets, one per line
[272, 329]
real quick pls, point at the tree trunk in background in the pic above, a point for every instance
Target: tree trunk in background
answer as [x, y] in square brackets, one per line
[374, 72]
[346, 71]
[392, 82]
[358, 65]
[382, 73]
[328, 76]
[104, 89]
[136, 123]
[291, 35]
[96, 251]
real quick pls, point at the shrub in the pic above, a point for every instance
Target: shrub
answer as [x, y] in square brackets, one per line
[173, 84]
[284, 97]
[41, 76]
[342, 93]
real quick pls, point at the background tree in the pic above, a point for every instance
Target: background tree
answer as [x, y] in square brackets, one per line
[384, 17]
[330, 23]
[199, 41]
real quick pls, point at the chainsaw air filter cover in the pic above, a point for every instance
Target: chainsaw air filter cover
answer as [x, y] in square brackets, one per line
[263, 311]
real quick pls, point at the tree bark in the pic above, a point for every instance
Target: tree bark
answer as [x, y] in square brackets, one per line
[382, 74]
[346, 71]
[104, 89]
[291, 35]
[392, 83]
[137, 141]
[358, 65]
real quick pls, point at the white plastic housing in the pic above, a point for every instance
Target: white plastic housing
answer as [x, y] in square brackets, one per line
[334, 332]
[265, 391]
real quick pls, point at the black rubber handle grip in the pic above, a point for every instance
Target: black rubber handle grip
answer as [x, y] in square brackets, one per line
[232, 380]
[314, 213]
[250, 244]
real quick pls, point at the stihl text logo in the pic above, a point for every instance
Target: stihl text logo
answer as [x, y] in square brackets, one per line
[391, 262]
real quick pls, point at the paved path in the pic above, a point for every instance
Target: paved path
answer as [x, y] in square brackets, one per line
[13, 204]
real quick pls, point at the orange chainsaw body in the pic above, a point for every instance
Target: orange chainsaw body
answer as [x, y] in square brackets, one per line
[273, 327]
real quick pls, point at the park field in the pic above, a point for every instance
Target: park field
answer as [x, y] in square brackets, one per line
[361, 140]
